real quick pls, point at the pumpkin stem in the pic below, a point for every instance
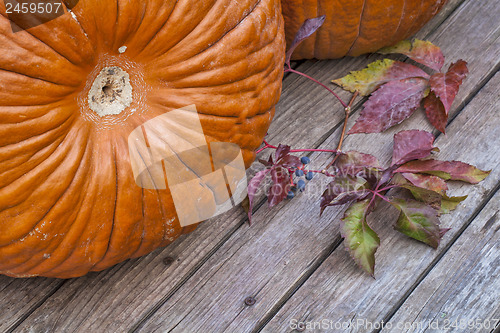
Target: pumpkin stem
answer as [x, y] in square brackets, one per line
[111, 92]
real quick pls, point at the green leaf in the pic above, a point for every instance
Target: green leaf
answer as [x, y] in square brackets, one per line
[360, 240]
[450, 203]
[377, 73]
[418, 221]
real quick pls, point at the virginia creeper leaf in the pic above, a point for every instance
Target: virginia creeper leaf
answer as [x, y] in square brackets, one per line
[344, 189]
[435, 112]
[390, 105]
[290, 161]
[419, 221]
[360, 240]
[428, 182]
[453, 170]
[412, 145]
[376, 74]
[445, 86]
[279, 188]
[281, 152]
[353, 162]
[266, 163]
[421, 51]
[253, 186]
[431, 198]
[450, 203]
[306, 30]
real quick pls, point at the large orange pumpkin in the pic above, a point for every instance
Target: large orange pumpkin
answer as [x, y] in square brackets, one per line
[354, 27]
[69, 203]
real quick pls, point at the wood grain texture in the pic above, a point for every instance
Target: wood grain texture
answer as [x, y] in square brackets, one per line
[20, 296]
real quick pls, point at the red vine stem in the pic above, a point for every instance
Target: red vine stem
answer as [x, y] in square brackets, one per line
[267, 145]
[387, 188]
[380, 196]
[347, 114]
[344, 128]
[319, 150]
[290, 70]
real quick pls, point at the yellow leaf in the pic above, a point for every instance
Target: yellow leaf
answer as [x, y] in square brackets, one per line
[367, 80]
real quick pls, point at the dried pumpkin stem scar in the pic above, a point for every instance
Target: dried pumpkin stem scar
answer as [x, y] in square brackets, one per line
[111, 92]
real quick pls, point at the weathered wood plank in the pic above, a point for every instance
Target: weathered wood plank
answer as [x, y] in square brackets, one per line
[295, 239]
[98, 301]
[20, 296]
[464, 286]
[338, 291]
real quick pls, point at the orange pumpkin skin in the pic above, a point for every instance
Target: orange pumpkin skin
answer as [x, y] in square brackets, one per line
[355, 27]
[69, 203]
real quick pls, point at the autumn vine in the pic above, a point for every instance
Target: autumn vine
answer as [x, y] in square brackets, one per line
[396, 90]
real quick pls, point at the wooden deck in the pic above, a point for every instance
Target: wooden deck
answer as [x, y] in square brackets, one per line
[291, 261]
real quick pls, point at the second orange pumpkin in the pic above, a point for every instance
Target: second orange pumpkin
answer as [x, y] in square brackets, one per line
[354, 27]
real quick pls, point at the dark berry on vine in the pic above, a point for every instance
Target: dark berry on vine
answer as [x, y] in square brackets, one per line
[299, 173]
[301, 185]
[305, 160]
[290, 195]
[309, 175]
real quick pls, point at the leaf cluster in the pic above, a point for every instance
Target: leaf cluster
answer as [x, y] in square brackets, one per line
[361, 183]
[415, 183]
[397, 88]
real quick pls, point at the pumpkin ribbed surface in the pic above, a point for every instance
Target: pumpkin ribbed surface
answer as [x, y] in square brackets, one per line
[69, 203]
[355, 27]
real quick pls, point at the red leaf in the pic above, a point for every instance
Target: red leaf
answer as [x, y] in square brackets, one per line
[428, 182]
[390, 105]
[421, 51]
[435, 112]
[411, 145]
[353, 162]
[306, 30]
[453, 170]
[253, 186]
[445, 86]
[266, 163]
[281, 152]
[290, 161]
[343, 190]
[279, 188]
[431, 198]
